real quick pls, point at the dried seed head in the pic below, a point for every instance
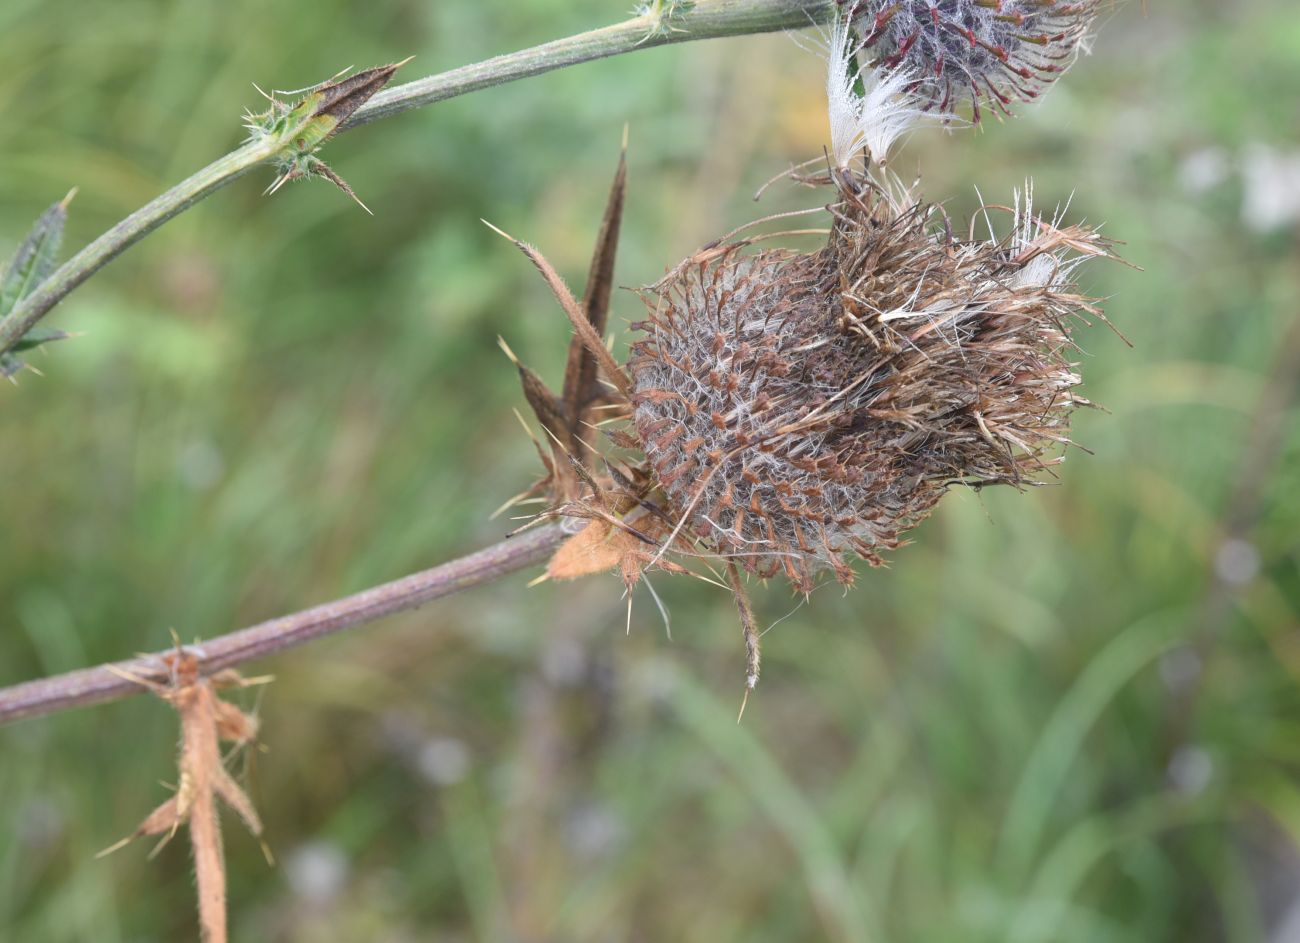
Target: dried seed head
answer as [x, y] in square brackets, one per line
[797, 408]
[997, 51]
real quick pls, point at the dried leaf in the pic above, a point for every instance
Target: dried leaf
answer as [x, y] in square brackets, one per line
[338, 100]
[206, 720]
[597, 548]
[577, 316]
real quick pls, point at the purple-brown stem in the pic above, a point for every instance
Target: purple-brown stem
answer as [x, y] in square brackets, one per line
[110, 682]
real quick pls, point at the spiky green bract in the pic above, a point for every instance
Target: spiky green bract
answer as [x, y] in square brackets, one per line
[800, 407]
[663, 15]
[302, 128]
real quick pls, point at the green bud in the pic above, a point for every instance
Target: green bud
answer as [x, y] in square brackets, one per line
[306, 125]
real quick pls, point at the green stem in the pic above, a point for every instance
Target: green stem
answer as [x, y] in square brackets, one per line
[125, 234]
[705, 19]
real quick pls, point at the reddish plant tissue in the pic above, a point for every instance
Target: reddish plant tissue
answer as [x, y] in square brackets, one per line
[991, 51]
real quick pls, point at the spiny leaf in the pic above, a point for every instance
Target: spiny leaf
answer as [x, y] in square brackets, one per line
[35, 258]
[300, 130]
[38, 336]
[10, 367]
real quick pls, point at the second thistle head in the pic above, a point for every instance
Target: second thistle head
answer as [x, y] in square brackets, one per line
[981, 51]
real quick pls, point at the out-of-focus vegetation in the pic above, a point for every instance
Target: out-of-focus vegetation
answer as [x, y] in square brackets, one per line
[1066, 715]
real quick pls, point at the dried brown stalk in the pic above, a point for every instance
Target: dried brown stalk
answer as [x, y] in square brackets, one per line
[206, 720]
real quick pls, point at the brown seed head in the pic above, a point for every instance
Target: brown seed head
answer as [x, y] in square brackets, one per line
[797, 408]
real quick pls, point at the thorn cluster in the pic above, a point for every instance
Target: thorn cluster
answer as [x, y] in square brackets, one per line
[303, 127]
[662, 15]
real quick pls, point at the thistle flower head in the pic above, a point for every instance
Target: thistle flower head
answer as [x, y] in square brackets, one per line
[785, 411]
[994, 51]
[800, 408]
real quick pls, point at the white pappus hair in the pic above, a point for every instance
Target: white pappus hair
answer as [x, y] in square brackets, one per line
[1049, 270]
[874, 120]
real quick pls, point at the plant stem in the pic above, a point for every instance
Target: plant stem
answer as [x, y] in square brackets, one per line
[106, 683]
[704, 19]
[124, 235]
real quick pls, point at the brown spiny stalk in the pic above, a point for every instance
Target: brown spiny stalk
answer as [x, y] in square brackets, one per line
[206, 720]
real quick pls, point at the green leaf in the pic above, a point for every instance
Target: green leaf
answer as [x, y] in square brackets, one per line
[38, 336]
[35, 257]
[10, 367]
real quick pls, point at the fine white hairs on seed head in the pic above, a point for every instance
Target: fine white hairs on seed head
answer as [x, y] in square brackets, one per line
[1050, 269]
[874, 119]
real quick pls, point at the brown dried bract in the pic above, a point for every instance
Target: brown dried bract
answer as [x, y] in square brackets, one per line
[630, 524]
[625, 530]
[571, 418]
[340, 99]
[206, 720]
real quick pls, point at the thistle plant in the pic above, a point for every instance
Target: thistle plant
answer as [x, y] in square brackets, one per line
[782, 411]
[798, 407]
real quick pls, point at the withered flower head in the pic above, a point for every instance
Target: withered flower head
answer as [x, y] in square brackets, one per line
[786, 411]
[997, 51]
[797, 408]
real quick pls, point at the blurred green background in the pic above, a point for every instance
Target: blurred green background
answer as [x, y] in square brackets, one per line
[1071, 714]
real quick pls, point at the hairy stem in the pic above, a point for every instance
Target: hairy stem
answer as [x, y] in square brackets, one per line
[110, 682]
[704, 19]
